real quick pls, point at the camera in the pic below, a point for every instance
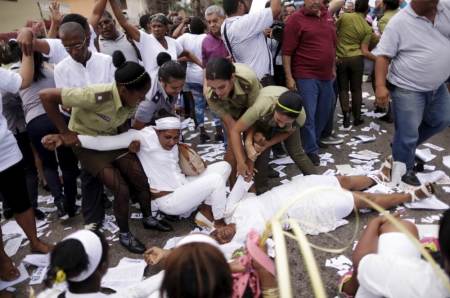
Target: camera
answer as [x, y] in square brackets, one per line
[277, 30]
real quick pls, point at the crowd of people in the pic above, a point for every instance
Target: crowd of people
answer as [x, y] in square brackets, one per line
[101, 100]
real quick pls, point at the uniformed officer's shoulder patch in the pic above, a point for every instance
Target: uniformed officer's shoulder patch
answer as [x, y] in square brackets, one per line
[157, 97]
[103, 96]
[246, 86]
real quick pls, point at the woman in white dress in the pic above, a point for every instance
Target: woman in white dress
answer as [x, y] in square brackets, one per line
[317, 212]
[175, 193]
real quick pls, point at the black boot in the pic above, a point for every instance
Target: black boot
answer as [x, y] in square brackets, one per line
[131, 243]
[61, 208]
[39, 214]
[410, 178]
[151, 223]
[346, 120]
[219, 134]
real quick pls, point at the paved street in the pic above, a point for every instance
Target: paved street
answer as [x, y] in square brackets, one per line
[299, 279]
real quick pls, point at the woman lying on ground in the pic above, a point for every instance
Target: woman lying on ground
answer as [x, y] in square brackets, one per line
[173, 192]
[318, 212]
[386, 263]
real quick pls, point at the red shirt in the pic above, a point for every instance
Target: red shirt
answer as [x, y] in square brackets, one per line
[311, 42]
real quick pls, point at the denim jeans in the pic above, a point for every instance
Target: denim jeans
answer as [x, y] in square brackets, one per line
[318, 100]
[418, 116]
[200, 104]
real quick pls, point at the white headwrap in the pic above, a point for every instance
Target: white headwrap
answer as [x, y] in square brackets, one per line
[168, 123]
[94, 250]
[198, 238]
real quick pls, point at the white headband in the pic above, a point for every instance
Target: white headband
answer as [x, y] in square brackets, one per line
[198, 238]
[93, 247]
[168, 123]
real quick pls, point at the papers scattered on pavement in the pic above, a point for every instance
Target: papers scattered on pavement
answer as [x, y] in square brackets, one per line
[432, 203]
[341, 263]
[435, 147]
[127, 273]
[425, 155]
[428, 231]
[282, 161]
[23, 276]
[38, 275]
[38, 260]
[446, 161]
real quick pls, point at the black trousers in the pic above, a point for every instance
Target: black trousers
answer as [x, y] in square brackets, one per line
[29, 166]
[349, 77]
[13, 188]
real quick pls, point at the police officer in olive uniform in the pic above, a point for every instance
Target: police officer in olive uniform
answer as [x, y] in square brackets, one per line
[100, 110]
[275, 117]
[231, 89]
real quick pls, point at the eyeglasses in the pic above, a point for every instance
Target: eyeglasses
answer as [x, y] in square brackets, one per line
[77, 46]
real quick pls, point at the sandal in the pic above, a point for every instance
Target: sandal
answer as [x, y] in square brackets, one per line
[424, 191]
[384, 174]
[344, 279]
[203, 222]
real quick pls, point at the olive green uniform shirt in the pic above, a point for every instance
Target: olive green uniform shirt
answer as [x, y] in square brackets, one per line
[385, 19]
[352, 31]
[261, 112]
[246, 89]
[96, 109]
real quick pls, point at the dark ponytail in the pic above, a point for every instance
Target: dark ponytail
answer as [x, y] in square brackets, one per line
[220, 69]
[171, 70]
[129, 74]
[290, 104]
[70, 257]
[162, 58]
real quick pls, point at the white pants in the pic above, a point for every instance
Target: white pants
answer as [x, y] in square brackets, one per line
[208, 188]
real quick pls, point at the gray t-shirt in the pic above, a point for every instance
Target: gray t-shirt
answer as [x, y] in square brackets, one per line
[121, 43]
[32, 106]
[419, 49]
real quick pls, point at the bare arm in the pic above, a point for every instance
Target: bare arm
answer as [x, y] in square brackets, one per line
[180, 29]
[97, 12]
[26, 70]
[55, 18]
[28, 43]
[366, 53]
[335, 5]
[275, 5]
[381, 91]
[191, 58]
[51, 99]
[290, 82]
[131, 30]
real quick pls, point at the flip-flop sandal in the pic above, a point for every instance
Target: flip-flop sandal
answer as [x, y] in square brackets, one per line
[385, 166]
[427, 189]
[344, 279]
[257, 253]
[203, 222]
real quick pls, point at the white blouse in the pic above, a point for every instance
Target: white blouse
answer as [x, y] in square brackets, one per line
[160, 165]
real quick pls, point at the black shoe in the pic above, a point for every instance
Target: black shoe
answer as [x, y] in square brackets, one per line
[346, 121]
[204, 138]
[315, 158]
[107, 204]
[8, 213]
[172, 218]
[131, 243]
[387, 118]
[73, 211]
[39, 214]
[358, 121]
[410, 178]
[219, 137]
[61, 209]
[419, 167]
[271, 173]
[151, 223]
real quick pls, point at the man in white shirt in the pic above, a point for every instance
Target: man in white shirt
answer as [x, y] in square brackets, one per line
[82, 67]
[112, 40]
[244, 37]
[387, 263]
